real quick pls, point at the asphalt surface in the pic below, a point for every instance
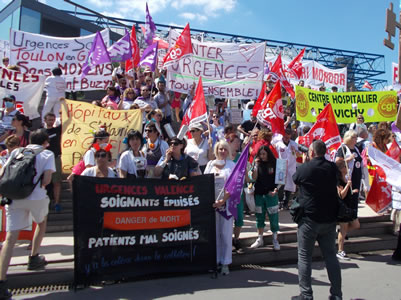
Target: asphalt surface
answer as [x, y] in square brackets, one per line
[365, 276]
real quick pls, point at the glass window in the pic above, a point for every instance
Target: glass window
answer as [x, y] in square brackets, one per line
[15, 19]
[30, 20]
[85, 32]
[5, 28]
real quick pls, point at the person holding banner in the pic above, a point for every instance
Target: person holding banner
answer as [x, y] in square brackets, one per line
[263, 173]
[176, 164]
[132, 162]
[154, 148]
[101, 169]
[55, 87]
[222, 167]
[112, 98]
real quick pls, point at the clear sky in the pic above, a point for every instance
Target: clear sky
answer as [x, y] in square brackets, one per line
[356, 25]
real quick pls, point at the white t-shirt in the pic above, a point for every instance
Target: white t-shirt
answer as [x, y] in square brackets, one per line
[55, 87]
[89, 157]
[221, 175]
[289, 153]
[91, 172]
[127, 162]
[198, 152]
[44, 161]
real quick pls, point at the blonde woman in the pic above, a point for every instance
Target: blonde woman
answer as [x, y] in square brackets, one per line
[222, 167]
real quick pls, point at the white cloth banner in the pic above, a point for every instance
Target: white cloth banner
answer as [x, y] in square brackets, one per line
[4, 49]
[228, 70]
[391, 167]
[39, 54]
[316, 75]
[27, 89]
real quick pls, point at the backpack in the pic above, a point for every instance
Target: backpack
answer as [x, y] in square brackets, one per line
[17, 176]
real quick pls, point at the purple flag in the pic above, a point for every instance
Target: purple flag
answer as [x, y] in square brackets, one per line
[97, 55]
[150, 27]
[121, 50]
[234, 185]
[149, 57]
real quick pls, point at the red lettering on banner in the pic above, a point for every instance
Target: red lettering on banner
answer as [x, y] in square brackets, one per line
[162, 190]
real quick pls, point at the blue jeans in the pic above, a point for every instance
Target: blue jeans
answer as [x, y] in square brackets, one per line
[325, 233]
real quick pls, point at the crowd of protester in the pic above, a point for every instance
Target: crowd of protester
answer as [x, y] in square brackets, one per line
[212, 148]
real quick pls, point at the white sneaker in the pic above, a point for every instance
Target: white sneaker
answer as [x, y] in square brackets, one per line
[342, 255]
[276, 245]
[225, 270]
[258, 243]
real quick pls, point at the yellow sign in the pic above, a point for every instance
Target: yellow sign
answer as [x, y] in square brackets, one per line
[374, 106]
[81, 119]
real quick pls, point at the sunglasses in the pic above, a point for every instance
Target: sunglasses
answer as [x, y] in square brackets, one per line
[175, 143]
[149, 130]
[214, 116]
[101, 155]
[7, 100]
[194, 130]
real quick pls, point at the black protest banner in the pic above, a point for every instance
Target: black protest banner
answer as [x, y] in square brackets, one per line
[130, 228]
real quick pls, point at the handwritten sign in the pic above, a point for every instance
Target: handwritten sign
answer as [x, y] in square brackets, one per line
[228, 70]
[130, 228]
[39, 54]
[26, 88]
[81, 119]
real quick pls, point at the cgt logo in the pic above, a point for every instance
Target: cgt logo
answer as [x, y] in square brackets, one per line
[302, 104]
[387, 106]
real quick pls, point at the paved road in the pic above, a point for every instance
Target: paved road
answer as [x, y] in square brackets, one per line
[371, 276]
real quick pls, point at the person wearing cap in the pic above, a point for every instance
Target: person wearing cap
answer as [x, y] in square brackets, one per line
[199, 148]
[163, 100]
[7, 114]
[55, 87]
[287, 149]
[176, 164]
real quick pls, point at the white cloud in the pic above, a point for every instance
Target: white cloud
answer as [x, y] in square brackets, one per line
[188, 16]
[190, 10]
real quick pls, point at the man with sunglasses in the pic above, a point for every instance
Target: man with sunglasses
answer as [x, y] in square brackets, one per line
[176, 164]
[145, 97]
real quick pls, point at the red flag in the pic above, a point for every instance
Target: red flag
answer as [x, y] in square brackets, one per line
[394, 151]
[259, 101]
[324, 129]
[196, 112]
[367, 85]
[134, 61]
[278, 74]
[271, 111]
[379, 196]
[295, 66]
[182, 47]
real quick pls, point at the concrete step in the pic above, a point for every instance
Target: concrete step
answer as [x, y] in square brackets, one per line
[289, 251]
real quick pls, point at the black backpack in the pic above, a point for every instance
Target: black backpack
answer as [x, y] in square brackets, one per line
[16, 181]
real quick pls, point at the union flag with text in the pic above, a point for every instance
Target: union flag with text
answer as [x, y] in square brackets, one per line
[182, 47]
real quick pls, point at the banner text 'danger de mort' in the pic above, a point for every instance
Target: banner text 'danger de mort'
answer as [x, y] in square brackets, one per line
[133, 227]
[374, 106]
